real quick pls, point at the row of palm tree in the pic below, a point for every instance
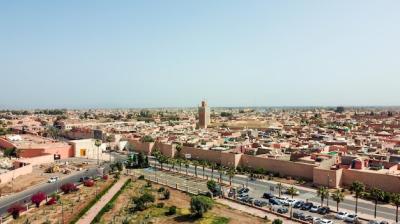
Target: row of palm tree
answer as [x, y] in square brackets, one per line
[376, 194]
[356, 187]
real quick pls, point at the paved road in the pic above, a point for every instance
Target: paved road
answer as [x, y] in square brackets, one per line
[364, 207]
[48, 188]
[383, 212]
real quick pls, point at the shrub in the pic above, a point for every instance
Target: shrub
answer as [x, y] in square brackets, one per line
[161, 189]
[160, 205]
[200, 205]
[52, 201]
[172, 210]
[148, 184]
[141, 177]
[16, 209]
[88, 183]
[142, 201]
[68, 187]
[167, 194]
[38, 198]
[277, 221]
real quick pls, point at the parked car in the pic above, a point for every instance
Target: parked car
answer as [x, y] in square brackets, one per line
[314, 208]
[298, 214]
[341, 215]
[324, 210]
[352, 218]
[282, 210]
[53, 179]
[243, 190]
[307, 218]
[307, 206]
[260, 203]
[298, 204]
[267, 195]
[324, 221]
[291, 202]
[275, 201]
[232, 192]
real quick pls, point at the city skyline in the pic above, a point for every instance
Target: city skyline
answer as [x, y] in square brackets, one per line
[173, 54]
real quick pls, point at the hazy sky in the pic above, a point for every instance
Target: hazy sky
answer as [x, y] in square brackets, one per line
[168, 53]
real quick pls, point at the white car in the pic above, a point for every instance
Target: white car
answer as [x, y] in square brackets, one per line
[341, 215]
[324, 221]
[53, 179]
[291, 202]
[314, 208]
[351, 218]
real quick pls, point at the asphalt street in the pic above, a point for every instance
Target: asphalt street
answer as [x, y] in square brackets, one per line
[259, 187]
[48, 188]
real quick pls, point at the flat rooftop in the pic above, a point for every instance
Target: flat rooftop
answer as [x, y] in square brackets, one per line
[33, 141]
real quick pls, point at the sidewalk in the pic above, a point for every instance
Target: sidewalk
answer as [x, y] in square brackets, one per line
[253, 211]
[95, 209]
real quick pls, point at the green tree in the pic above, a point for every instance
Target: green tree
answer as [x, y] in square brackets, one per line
[358, 188]
[395, 199]
[377, 195]
[292, 191]
[338, 197]
[279, 185]
[213, 167]
[221, 172]
[231, 173]
[186, 162]
[195, 164]
[200, 205]
[212, 185]
[277, 221]
[323, 193]
[203, 164]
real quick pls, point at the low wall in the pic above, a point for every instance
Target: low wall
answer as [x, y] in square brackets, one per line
[12, 174]
[283, 167]
[47, 158]
[5, 144]
[382, 181]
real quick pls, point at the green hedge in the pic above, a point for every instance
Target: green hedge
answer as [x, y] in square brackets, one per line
[110, 204]
[92, 202]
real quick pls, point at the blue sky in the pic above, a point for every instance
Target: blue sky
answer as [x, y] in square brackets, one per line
[82, 54]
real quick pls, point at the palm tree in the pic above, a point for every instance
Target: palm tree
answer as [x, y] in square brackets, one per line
[186, 166]
[179, 160]
[195, 164]
[231, 173]
[358, 188]
[173, 162]
[337, 196]
[323, 193]
[279, 185]
[378, 195]
[220, 171]
[395, 198]
[213, 166]
[292, 191]
[203, 164]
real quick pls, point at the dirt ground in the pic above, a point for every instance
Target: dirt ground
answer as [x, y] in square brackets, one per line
[180, 200]
[71, 204]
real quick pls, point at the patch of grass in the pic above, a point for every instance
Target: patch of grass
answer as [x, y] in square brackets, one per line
[210, 218]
